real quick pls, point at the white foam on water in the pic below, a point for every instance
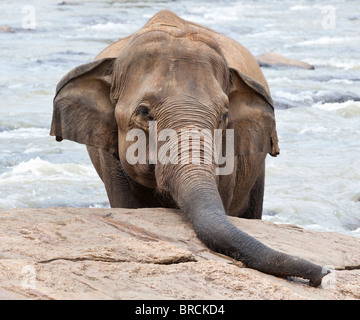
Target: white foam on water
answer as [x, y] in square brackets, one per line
[279, 80]
[329, 40]
[38, 168]
[24, 133]
[33, 149]
[348, 109]
[109, 26]
[341, 81]
[298, 96]
[337, 62]
[300, 8]
[36, 183]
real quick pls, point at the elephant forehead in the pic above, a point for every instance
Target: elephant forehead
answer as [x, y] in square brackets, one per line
[168, 64]
[166, 54]
[170, 77]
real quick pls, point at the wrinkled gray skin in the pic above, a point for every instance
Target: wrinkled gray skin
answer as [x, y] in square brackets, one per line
[183, 76]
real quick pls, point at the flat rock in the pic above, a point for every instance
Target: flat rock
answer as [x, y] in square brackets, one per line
[274, 59]
[82, 253]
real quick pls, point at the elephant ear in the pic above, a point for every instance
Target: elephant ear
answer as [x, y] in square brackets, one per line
[83, 110]
[251, 115]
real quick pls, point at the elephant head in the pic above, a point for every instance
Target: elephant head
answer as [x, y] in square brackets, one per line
[181, 80]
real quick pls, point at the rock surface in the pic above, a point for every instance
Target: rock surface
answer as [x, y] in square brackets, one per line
[81, 253]
[274, 59]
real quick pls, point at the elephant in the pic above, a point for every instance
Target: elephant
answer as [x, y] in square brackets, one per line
[180, 75]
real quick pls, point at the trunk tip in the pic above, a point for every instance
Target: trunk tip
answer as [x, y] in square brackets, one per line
[317, 280]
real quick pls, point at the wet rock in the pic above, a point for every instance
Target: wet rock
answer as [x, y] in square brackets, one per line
[274, 59]
[6, 29]
[68, 3]
[283, 103]
[327, 96]
[81, 253]
[308, 98]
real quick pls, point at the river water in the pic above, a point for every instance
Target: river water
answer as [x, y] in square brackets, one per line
[314, 183]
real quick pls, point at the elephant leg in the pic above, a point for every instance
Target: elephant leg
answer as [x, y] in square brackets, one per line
[247, 201]
[122, 191]
[254, 205]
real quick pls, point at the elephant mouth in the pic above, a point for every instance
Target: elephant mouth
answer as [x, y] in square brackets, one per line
[151, 168]
[147, 173]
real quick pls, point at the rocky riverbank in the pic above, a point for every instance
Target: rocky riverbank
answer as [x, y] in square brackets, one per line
[81, 253]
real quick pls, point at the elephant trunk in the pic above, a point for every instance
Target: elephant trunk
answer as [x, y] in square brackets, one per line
[195, 191]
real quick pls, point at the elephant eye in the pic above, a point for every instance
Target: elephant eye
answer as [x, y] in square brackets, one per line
[145, 112]
[224, 117]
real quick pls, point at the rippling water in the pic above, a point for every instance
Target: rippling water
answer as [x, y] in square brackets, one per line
[314, 183]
